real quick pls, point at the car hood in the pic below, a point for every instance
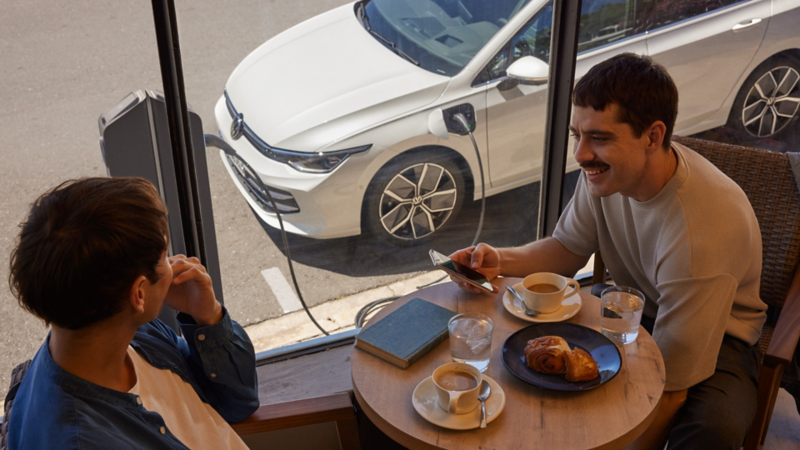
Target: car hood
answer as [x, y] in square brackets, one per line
[325, 80]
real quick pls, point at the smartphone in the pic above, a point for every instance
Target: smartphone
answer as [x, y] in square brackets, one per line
[461, 271]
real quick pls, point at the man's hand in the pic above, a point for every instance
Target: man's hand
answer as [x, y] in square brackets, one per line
[483, 258]
[191, 291]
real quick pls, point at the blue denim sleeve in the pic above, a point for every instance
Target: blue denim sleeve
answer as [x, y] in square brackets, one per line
[222, 360]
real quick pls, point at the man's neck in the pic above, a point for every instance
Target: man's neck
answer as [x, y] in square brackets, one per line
[664, 166]
[98, 353]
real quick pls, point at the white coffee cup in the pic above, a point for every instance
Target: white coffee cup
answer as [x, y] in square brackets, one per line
[544, 291]
[450, 380]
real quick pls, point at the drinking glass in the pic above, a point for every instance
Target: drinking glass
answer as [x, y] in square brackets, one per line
[620, 313]
[471, 339]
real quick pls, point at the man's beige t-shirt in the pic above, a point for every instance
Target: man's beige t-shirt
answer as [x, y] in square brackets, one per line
[694, 250]
[195, 423]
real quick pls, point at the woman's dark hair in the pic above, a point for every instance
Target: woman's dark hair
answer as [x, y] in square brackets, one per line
[642, 90]
[83, 245]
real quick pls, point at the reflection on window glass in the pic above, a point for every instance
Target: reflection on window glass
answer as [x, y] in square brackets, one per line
[654, 14]
[533, 40]
[604, 22]
[440, 35]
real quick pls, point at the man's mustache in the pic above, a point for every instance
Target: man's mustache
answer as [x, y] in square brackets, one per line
[593, 165]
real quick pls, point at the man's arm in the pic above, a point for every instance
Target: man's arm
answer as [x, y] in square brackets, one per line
[217, 349]
[545, 255]
[655, 436]
[222, 359]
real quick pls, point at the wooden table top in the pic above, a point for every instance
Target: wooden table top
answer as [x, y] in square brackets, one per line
[608, 417]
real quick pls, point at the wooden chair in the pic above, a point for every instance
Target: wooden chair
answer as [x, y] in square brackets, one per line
[336, 408]
[770, 185]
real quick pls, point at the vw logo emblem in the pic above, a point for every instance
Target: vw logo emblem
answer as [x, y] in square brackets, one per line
[237, 127]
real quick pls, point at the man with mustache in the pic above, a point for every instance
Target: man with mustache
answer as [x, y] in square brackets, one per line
[670, 224]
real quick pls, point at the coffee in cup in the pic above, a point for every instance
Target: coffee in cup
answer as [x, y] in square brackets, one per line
[457, 387]
[544, 291]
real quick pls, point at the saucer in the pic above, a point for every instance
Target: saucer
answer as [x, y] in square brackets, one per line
[424, 401]
[569, 307]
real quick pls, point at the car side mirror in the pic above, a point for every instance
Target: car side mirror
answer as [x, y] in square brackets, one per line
[529, 70]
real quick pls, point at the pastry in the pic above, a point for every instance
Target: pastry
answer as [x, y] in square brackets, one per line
[552, 355]
[546, 354]
[580, 366]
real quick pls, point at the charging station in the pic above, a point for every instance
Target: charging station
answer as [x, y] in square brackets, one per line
[135, 142]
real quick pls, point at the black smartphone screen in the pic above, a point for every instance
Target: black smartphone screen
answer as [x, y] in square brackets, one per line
[460, 270]
[464, 270]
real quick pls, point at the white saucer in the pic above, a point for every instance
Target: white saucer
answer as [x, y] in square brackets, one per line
[569, 307]
[424, 400]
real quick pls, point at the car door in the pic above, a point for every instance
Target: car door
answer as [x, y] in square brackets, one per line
[516, 114]
[706, 46]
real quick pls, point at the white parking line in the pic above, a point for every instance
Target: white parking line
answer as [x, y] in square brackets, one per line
[280, 287]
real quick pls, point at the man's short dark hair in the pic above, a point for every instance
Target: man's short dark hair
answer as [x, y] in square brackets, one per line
[642, 90]
[83, 245]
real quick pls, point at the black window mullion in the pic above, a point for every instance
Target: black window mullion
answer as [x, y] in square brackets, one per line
[563, 51]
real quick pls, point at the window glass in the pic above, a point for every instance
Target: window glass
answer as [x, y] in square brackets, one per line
[604, 22]
[344, 144]
[654, 14]
[441, 36]
[533, 40]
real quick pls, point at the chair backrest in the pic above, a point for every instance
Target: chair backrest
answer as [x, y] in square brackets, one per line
[767, 179]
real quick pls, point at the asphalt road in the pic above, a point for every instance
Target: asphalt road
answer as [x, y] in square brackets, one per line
[62, 64]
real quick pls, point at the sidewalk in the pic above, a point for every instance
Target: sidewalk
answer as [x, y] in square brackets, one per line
[334, 316]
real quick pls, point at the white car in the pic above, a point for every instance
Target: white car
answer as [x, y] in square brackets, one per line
[338, 115]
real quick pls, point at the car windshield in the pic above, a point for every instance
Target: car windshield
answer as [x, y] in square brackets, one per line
[441, 36]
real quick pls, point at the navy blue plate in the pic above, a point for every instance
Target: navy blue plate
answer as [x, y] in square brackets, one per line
[602, 350]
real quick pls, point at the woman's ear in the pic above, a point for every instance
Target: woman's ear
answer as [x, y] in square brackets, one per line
[137, 293]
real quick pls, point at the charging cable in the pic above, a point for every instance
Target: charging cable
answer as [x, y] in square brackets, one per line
[367, 309]
[214, 141]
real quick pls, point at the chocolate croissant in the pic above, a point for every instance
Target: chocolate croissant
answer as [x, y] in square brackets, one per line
[546, 354]
[552, 355]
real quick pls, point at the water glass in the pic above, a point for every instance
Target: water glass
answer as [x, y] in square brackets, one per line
[620, 313]
[471, 339]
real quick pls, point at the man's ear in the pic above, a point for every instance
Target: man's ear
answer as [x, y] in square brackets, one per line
[655, 135]
[137, 293]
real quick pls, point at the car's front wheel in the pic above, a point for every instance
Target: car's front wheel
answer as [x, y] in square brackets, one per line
[768, 100]
[411, 198]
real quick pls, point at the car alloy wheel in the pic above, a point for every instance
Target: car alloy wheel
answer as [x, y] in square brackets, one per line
[772, 102]
[418, 201]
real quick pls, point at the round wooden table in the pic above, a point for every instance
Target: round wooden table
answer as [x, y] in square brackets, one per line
[608, 417]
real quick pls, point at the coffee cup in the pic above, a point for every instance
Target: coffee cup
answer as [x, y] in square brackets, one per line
[544, 291]
[457, 387]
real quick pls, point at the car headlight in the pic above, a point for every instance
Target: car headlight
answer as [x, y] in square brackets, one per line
[318, 162]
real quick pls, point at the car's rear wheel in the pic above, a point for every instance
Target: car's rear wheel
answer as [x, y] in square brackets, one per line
[769, 100]
[412, 198]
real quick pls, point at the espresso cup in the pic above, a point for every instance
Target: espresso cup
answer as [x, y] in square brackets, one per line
[457, 387]
[544, 291]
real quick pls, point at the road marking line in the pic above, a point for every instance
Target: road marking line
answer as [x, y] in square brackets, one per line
[283, 292]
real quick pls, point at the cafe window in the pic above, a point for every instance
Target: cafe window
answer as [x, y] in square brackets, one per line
[236, 60]
[341, 137]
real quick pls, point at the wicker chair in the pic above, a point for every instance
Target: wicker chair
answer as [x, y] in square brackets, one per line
[770, 185]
